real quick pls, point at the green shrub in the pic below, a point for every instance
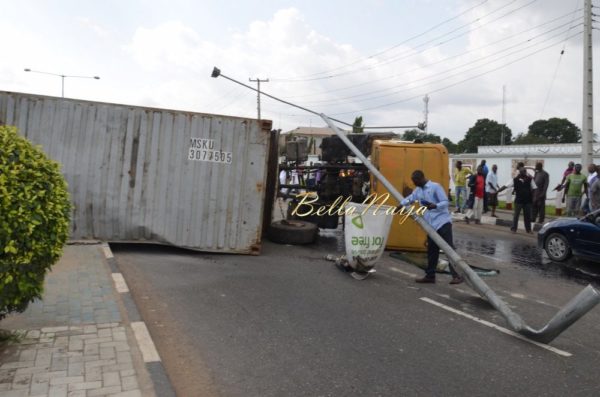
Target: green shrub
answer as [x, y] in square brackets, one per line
[34, 219]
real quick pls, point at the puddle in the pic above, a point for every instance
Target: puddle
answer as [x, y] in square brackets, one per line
[509, 250]
[527, 254]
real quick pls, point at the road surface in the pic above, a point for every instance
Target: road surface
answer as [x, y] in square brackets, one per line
[289, 323]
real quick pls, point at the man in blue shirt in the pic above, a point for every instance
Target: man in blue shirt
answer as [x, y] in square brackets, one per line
[431, 195]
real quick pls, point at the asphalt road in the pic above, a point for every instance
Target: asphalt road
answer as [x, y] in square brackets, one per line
[288, 323]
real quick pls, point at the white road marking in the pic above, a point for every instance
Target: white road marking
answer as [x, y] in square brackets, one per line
[120, 283]
[394, 269]
[149, 353]
[107, 252]
[497, 327]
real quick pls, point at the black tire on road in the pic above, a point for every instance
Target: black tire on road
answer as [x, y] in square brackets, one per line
[292, 232]
[557, 247]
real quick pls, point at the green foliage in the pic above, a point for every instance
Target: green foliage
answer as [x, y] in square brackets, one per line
[10, 336]
[414, 134]
[555, 130]
[358, 126]
[485, 132]
[451, 146]
[529, 139]
[34, 219]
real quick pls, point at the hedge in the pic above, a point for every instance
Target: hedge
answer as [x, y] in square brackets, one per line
[34, 219]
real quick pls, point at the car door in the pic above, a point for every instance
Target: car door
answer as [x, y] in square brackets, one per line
[588, 239]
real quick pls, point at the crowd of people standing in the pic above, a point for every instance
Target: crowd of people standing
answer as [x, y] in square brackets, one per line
[477, 191]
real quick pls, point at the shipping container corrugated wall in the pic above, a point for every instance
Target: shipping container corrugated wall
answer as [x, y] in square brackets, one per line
[152, 175]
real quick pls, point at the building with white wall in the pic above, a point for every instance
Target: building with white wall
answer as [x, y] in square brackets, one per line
[555, 158]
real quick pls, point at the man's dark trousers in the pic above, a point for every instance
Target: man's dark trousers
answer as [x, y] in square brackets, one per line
[538, 208]
[526, 214]
[433, 251]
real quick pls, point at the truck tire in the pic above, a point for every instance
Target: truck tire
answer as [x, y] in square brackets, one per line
[292, 232]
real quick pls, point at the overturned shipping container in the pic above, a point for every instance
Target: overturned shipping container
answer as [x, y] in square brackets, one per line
[152, 175]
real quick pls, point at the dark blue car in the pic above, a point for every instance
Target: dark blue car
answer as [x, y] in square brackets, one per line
[571, 236]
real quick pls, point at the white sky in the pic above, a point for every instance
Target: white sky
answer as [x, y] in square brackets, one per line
[381, 56]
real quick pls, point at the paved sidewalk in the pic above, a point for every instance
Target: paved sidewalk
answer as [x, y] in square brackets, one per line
[78, 340]
[504, 218]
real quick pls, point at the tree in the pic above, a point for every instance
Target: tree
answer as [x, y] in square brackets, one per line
[414, 134]
[555, 130]
[529, 139]
[358, 126]
[451, 146]
[484, 132]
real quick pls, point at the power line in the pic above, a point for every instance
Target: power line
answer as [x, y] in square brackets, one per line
[237, 98]
[401, 55]
[369, 82]
[225, 97]
[217, 72]
[458, 82]
[339, 101]
[394, 46]
[560, 57]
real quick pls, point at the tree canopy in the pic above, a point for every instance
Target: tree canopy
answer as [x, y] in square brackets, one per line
[451, 146]
[529, 139]
[358, 126]
[555, 130]
[484, 132]
[414, 134]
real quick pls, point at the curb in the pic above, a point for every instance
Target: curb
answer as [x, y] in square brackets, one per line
[152, 361]
[488, 220]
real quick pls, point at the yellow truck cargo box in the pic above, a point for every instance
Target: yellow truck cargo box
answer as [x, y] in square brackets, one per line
[396, 160]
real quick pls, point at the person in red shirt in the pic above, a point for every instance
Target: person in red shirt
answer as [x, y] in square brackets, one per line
[477, 186]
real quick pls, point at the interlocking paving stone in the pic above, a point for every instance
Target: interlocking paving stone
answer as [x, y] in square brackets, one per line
[69, 366]
[73, 342]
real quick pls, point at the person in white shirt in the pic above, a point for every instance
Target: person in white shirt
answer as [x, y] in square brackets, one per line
[592, 177]
[491, 189]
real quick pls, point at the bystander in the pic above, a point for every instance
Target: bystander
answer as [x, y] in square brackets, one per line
[542, 180]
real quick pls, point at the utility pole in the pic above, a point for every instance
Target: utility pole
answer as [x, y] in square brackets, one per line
[587, 124]
[426, 100]
[258, 81]
[503, 115]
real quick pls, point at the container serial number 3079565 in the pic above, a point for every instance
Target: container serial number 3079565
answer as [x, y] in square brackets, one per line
[203, 150]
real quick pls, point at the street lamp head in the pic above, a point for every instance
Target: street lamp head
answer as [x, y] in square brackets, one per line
[216, 72]
[97, 77]
[27, 70]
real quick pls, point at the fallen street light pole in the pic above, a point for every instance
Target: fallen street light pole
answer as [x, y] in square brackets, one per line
[576, 308]
[571, 312]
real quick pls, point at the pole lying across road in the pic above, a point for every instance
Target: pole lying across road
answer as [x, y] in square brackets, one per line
[577, 307]
[571, 312]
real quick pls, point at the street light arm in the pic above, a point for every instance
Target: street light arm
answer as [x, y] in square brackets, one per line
[84, 77]
[37, 71]
[217, 73]
[62, 75]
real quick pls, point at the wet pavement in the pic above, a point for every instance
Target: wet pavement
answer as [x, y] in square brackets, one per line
[493, 247]
[288, 322]
[522, 250]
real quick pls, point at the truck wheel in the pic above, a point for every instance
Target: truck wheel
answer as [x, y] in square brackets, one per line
[292, 232]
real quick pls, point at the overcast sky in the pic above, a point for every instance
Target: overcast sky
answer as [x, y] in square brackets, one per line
[376, 59]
